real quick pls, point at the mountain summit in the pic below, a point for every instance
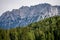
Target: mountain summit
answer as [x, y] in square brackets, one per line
[26, 15]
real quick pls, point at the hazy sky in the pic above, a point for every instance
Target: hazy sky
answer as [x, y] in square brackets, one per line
[6, 5]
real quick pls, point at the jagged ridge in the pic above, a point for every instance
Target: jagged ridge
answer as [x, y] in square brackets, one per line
[26, 15]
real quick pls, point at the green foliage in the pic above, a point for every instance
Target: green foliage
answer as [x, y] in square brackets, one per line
[47, 29]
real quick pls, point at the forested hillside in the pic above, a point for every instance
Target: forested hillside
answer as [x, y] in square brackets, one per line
[47, 29]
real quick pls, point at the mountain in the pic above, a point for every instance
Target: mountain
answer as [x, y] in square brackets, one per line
[26, 15]
[47, 29]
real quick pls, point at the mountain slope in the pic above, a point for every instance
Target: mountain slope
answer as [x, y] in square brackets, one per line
[47, 29]
[26, 15]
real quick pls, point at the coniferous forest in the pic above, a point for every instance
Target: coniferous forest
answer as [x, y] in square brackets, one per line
[46, 29]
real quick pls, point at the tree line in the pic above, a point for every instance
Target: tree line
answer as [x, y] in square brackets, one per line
[47, 29]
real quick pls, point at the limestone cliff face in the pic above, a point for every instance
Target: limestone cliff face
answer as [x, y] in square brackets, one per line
[26, 15]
